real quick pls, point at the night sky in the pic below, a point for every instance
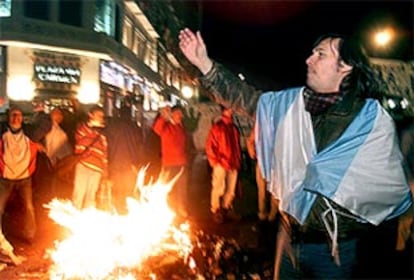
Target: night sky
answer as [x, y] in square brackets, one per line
[268, 41]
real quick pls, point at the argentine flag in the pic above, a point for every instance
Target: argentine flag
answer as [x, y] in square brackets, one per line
[361, 171]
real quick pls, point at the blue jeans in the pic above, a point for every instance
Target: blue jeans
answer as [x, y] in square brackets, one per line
[314, 260]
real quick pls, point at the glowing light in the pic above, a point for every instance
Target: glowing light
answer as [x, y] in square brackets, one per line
[20, 88]
[384, 37]
[89, 92]
[105, 245]
[404, 103]
[187, 92]
[391, 104]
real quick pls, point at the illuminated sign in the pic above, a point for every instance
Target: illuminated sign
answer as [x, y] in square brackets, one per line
[114, 74]
[57, 73]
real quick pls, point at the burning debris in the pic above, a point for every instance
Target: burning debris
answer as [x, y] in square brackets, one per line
[146, 243]
[101, 247]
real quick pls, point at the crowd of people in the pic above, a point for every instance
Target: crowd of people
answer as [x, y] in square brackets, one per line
[316, 150]
[33, 151]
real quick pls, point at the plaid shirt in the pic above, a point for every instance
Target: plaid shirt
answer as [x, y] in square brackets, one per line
[317, 103]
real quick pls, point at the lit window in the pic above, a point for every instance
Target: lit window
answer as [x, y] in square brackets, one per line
[105, 17]
[5, 8]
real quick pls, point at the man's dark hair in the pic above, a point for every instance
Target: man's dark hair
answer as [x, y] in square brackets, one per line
[96, 108]
[177, 107]
[362, 80]
[13, 108]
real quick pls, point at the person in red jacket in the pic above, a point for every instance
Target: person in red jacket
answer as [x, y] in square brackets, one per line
[224, 156]
[174, 155]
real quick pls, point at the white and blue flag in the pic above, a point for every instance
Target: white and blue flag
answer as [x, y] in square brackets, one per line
[361, 171]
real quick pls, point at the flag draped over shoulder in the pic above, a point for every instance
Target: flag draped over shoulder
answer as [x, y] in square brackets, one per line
[360, 171]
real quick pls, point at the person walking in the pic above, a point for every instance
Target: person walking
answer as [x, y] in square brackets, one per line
[92, 169]
[318, 147]
[224, 156]
[174, 155]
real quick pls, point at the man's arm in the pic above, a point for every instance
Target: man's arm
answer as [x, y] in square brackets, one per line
[223, 87]
[195, 50]
[161, 120]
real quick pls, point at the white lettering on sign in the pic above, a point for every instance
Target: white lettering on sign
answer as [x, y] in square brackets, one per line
[57, 74]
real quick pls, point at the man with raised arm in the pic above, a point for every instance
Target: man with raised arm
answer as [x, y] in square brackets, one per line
[327, 150]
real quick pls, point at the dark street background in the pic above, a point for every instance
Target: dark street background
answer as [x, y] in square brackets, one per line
[269, 40]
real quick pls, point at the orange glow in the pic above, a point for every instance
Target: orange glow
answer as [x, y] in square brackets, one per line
[383, 38]
[104, 245]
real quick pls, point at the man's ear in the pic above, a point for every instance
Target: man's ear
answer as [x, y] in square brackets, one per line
[343, 67]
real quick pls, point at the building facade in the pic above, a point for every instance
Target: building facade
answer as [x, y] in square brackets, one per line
[98, 51]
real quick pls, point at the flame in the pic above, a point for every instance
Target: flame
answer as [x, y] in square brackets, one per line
[101, 244]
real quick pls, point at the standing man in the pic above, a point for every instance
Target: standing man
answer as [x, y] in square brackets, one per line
[93, 167]
[328, 150]
[17, 164]
[174, 159]
[224, 156]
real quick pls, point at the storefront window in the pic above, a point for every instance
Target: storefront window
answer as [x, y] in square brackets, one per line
[105, 17]
[5, 8]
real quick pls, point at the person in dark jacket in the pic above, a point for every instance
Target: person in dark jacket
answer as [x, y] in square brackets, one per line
[328, 150]
[124, 156]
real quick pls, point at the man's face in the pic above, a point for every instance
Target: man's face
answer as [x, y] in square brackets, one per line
[325, 73]
[56, 115]
[177, 115]
[97, 119]
[227, 112]
[15, 119]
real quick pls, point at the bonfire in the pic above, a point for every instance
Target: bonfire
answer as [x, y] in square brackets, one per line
[102, 244]
[147, 242]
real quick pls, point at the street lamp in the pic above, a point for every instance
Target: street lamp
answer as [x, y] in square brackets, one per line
[384, 37]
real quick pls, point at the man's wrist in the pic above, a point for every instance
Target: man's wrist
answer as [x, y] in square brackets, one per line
[206, 66]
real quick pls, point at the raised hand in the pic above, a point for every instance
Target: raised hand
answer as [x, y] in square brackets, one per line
[193, 47]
